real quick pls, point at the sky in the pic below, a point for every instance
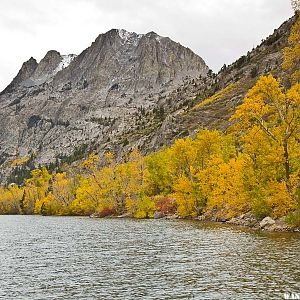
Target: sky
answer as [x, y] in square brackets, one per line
[220, 31]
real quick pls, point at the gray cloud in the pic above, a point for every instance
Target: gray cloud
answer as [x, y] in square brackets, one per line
[218, 30]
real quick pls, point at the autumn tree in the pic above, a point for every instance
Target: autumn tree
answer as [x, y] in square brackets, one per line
[36, 188]
[135, 181]
[10, 198]
[159, 177]
[63, 192]
[292, 52]
[228, 195]
[275, 111]
[189, 164]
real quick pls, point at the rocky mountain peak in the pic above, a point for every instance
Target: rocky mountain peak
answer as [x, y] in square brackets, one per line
[151, 34]
[48, 63]
[27, 70]
[130, 59]
[34, 74]
[29, 64]
[67, 101]
[46, 67]
[127, 36]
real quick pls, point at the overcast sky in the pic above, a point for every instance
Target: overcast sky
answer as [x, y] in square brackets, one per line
[220, 31]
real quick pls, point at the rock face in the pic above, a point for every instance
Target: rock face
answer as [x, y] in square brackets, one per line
[48, 67]
[62, 103]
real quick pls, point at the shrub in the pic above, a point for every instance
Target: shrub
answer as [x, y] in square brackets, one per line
[254, 72]
[294, 218]
[166, 205]
[261, 208]
[105, 212]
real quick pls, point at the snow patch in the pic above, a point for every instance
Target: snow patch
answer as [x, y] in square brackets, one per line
[129, 37]
[65, 62]
[124, 34]
[158, 38]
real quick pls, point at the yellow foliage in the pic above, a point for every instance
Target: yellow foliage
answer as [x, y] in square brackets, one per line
[292, 53]
[86, 200]
[217, 96]
[19, 161]
[145, 208]
[267, 108]
[10, 200]
[36, 188]
[90, 164]
[256, 168]
[131, 206]
[62, 191]
[158, 175]
[228, 194]
[48, 206]
[186, 195]
[279, 199]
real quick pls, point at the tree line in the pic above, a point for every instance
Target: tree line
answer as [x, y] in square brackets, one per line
[254, 166]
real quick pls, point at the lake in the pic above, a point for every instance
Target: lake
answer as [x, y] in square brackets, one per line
[83, 258]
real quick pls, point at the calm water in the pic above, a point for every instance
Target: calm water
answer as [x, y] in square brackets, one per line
[82, 258]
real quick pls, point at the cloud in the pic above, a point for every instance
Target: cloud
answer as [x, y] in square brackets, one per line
[218, 30]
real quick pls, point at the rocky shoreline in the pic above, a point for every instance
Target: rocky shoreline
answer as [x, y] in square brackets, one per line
[266, 224]
[246, 220]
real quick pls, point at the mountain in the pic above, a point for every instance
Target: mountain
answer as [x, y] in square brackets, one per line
[126, 90]
[67, 102]
[211, 106]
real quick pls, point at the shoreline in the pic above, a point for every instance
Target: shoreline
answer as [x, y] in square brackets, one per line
[246, 221]
[243, 221]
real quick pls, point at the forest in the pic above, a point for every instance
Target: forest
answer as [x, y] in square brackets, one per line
[252, 167]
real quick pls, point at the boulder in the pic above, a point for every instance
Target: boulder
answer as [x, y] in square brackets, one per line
[235, 221]
[247, 220]
[280, 225]
[94, 215]
[158, 215]
[124, 216]
[172, 217]
[266, 222]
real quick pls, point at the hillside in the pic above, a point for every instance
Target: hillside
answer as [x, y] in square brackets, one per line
[212, 105]
[126, 90]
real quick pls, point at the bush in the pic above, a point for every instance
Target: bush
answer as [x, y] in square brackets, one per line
[254, 72]
[145, 208]
[261, 208]
[294, 218]
[105, 212]
[240, 62]
[166, 205]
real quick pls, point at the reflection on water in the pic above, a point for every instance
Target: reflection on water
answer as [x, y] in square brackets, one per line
[82, 258]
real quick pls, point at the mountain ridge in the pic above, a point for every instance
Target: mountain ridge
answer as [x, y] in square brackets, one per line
[53, 57]
[50, 108]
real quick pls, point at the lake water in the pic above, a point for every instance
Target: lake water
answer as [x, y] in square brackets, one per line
[82, 258]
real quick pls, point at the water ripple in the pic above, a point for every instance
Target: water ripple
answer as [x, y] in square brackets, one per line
[82, 258]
